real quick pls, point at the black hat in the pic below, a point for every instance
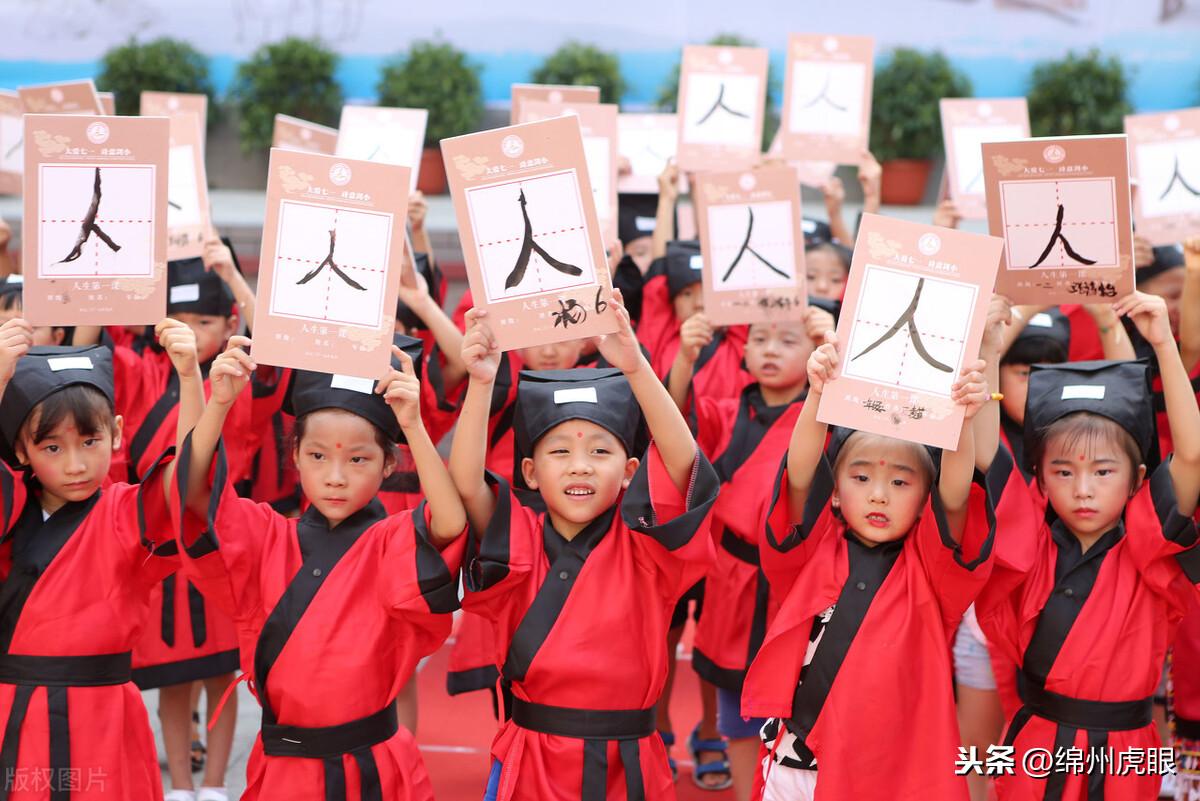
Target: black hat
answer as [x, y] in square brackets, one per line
[601, 395]
[195, 290]
[45, 370]
[684, 265]
[637, 216]
[433, 280]
[815, 232]
[1051, 324]
[1119, 391]
[310, 391]
[1166, 257]
[11, 285]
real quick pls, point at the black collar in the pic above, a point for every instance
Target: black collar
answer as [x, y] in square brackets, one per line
[583, 542]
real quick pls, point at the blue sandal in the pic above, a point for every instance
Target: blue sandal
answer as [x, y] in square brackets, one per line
[668, 738]
[696, 746]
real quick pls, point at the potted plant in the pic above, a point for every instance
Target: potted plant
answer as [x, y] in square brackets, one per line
[668, 93]
[163, 65]
[435, 76]
[1079, 95]
[581, 64]
[906, 129]
[294, 77]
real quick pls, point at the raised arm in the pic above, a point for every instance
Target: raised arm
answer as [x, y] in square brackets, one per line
[986, 423]
[1117, 346]
[1149, 314]
[445, 333]
[807, 445]
[667, 427]
[16, 338]
[468, 452]
[1189, 306]
[218, 258]
[418, 210]
[8, 265]
[402, 391]
[179, 342]
[229, 374]
[834, 194]
[664, 225]
[694, 334]
[958, 466]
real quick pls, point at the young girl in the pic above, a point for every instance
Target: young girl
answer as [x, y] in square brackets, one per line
[874, 556]
[1087, 601]
[581, 594]
[745, 438]
[79, 558]
[334, 608]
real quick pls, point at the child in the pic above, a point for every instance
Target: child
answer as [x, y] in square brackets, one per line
[581, 594]
[874, 556]
[334, 608]
[745, 437]
[1087, 601]
[79, 557]
[11, 304]
[827, 266]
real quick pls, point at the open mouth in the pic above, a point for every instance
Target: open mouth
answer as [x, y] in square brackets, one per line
[579, 491]
[878, 520]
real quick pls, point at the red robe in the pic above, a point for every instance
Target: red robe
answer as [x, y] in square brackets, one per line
[72, 603]
[745, 439]
[719, 372]
[582, 628]
[877, 704]
[1093, 626]
[332, 625]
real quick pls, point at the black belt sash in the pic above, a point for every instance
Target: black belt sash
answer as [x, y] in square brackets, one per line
[596, 727]
[1097, 718]
[321, 742]
[56, 674]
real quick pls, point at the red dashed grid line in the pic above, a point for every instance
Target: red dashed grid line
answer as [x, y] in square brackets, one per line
[535, 236]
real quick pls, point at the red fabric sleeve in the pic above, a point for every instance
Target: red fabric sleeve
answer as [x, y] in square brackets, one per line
[12, 498]
[503, 556]
[957, 571]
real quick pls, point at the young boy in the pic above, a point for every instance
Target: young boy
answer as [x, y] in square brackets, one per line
[581, 594]
[745, 437]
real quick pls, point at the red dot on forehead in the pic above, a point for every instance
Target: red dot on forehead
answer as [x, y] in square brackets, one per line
[1081, 457]
[882, 462]
[579, 434]
[337, 445]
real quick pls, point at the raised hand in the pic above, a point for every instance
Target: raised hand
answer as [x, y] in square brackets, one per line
[402, 391]
[418, 208]
[823, 364]
[480, 351]
[621, 349]
[817, 321]
[999, 316]
[947, 214]
[231, 371]
[218, 258]
[179, 341]
[971, 389]
[16, 338]
[668, 181]
[695, 333]
[1149, 313]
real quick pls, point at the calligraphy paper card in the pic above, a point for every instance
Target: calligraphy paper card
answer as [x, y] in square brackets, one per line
[598, 123]
[647, 142]
[108, 103]
[722, 96]
[95, 227]
[291, 133]
[12, 139]
[332, 252]
[1062, 206]
[827, 97]
[811, 173]
[171, 104]
[752, 245]
[550, 93]
[530, 237]
[69, 97]
[913, 315]
[966, 125]
[187, 190]
[383, 135]
[1165, 160]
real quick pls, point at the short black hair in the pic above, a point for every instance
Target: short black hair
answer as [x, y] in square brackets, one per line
[843, 254]
[1082, 430]
[1035, 350]
[85, 406]
[381, 438]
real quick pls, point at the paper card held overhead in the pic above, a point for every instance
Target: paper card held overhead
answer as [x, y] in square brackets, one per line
[171, 104]
[332, 254]
[752, 244]
[291, 133]
[722, 96]
[12, 140]
[530, 236]
[1062, 207]
[384, 135]
[95, 227]
[966, 124]
[1164, 158]
[646, 142]
[827, 97]
[550, 93]
[912, 318]
[67, 97]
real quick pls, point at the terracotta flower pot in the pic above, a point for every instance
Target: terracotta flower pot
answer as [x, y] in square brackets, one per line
[904, 181]
[432, 180]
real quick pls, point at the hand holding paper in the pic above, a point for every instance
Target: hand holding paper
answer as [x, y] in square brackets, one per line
[402, 391]
[231, 371]
[480, 351]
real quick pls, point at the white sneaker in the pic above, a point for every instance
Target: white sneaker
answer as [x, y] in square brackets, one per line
[1167, 789]
[180, 795]
[212, 794]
